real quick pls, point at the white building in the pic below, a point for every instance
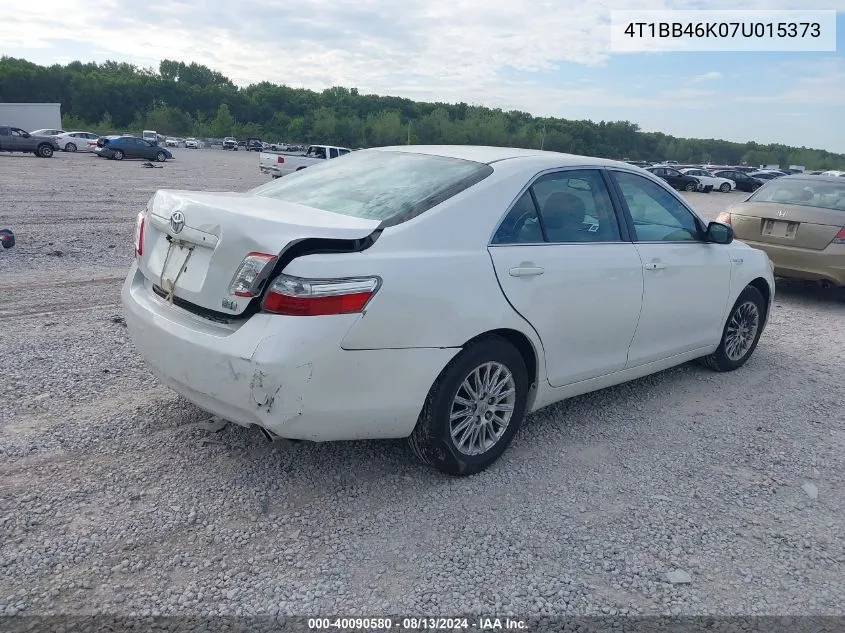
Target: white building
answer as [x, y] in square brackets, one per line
[31, 116]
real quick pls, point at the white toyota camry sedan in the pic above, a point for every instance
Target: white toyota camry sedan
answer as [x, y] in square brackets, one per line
[438, 293]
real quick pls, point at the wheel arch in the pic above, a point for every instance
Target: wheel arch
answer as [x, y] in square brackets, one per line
[525, 348]
[763, 286]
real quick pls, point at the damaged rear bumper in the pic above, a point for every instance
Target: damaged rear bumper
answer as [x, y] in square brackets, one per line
[288, 375]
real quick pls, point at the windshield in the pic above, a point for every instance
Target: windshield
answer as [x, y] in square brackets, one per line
[392, 186]
[808, 193]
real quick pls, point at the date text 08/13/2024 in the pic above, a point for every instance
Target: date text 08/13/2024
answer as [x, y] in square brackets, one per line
[417, 624]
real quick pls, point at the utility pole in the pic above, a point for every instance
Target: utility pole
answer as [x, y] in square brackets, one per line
[409, 132]
[543, 137]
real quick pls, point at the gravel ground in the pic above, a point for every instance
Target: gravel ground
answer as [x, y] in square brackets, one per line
[114, 498]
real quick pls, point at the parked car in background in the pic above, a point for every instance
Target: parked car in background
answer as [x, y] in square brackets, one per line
[279, 164]
[120, 147]
[76, 141]
[14, 139]
[743, 181]
[192, 143]
[706, 178]
[254, 145]
[230, 143]
[833, 172]
[47, 132]
[297, 341]
[151, 136]
[799, 221]
[766, 175]
[675, 178]
[171, 142]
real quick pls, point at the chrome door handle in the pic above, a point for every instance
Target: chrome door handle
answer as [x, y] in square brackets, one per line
[655, 266]
[526, 271]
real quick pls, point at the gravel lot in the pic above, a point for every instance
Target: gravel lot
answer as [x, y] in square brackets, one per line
[115, 499]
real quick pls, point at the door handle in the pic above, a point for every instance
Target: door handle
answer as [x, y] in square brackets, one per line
[655, 266]
[526, 271]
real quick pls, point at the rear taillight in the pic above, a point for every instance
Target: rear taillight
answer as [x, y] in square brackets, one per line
[251, 274]
[840, 237]
[319, 297]
[280, 160]
[139, 233]
[724, 218]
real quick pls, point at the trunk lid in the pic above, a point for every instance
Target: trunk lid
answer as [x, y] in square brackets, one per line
[794, 225]
[217, 230]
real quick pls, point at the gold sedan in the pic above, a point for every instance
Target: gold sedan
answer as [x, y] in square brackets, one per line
[799, 222]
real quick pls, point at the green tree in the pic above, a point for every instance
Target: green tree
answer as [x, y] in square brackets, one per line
[223, 123]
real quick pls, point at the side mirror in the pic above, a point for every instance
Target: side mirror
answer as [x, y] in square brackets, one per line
[719, 233]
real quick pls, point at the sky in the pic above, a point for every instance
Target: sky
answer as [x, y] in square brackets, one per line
[546, 57]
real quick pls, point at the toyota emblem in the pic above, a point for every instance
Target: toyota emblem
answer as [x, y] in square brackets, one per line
[177, 221]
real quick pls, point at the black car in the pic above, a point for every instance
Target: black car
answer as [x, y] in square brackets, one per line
[254, 145]
[120, 147]
[676, 178]
[743, 181]
[766, 175]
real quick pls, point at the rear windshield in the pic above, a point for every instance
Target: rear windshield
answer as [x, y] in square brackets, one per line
[808, 193]
[390, 186]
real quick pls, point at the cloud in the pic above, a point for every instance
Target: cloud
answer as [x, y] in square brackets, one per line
[713, 74]
[821, 82]
[455, 49]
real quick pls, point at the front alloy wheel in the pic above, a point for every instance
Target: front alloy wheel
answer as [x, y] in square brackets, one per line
[473, 409]
[741, 332]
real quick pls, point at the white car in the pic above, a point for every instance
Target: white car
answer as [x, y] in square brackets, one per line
[438, 293]
[171, 142]
[707, 178]
[47, 132]
[192, 143]
[76, 141]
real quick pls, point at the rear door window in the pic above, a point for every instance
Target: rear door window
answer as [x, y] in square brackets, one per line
[574, 207]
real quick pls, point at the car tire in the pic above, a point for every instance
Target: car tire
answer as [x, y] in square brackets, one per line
[738, 343]
[118, 154]
[690, 186]
[436, 439]
[725, 187]
[161, 157]
[45, 150]
[70, 147]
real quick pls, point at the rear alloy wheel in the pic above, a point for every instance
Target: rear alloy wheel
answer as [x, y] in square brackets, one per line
[473, 409]
[741, 333]
[725, 187]
[45, 150]
[161, 157]
[70, 147]
[691, 186]
[118, 154]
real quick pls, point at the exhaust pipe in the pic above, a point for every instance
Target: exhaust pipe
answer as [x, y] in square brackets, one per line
[267, 435]
[272, 438]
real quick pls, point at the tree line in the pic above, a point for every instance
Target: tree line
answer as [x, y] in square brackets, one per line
[182, 99]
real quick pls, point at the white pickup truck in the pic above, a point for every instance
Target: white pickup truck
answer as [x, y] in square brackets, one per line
[279, 164]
